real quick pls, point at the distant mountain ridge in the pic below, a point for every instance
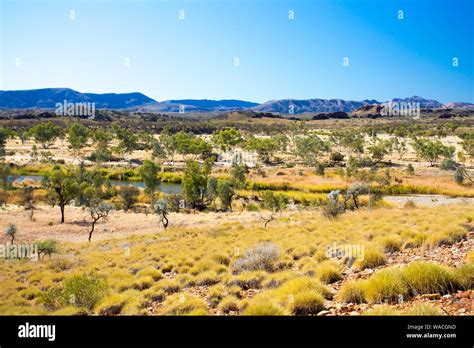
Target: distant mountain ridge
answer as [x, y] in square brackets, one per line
[47, 98]
[297, 106]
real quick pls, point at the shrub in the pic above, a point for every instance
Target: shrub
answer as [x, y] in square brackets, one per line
[427, 277]
[328, 272]
[352, 292]
[129, 196]
[372, 258]
[423, 309]
[10, 231]
[260, 257]
[386, 285]
[82, 291]
[184, 304]
[264, 307]
[306, 303]
[48, 247]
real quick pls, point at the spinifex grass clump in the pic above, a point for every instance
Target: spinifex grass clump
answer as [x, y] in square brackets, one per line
[184, 304]
[386, 285]
[426, 277]
[328, 272]
[372, 258]
[352, 292]
[298, 296]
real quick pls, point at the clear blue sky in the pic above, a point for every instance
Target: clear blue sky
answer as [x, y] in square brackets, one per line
[173, 58]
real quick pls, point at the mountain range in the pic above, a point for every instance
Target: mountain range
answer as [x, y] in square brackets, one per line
[47, 98]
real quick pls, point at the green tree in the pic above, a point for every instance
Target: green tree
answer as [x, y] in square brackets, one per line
[194, 183]
[77, 136]
[61, 184]
[127, 140]
[238, 174]
[101, 138]
[3, 141]
[379, 149]
[211, 191]
[161, 209]
[432, 151]
[99, 211]
[309, 148]
[149, 174]
[45, 133]
[264, 147]
[10, 231]
[6, 180]
[225, 139]
[226, 193]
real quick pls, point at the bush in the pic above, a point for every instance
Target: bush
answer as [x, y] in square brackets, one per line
[386, 285]
[82, 291]
[48, 247]
[261, 257]
[184, 304]
[129, 196]
[426, 277]
[372, 258]
[352, 292]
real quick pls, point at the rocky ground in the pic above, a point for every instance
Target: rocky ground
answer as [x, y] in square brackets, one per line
[460, 303]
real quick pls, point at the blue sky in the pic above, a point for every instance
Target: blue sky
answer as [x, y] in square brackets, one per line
[194, 57]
